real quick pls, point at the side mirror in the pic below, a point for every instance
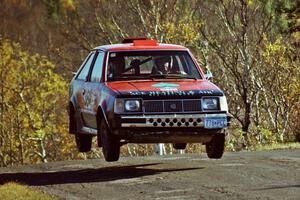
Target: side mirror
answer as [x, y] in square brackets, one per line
[208, 75]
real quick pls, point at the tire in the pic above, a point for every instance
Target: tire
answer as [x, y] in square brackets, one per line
[83, 142]
[179, 146]
[72, 120]
[110, 144]
[215, 148]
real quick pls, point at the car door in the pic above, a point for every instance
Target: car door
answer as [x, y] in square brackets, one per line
[95, 88]
[82, 92]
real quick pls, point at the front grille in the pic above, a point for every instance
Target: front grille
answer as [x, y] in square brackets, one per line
[191, 105]
[153, 106]
[172, 106]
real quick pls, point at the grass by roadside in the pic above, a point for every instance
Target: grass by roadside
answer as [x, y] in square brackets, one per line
[295, 145]
[14, 191]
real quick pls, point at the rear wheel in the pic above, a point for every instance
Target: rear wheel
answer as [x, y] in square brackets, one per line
[110, 144]
[215, 148]
[83, 142]
[72, 121]
[179, 146]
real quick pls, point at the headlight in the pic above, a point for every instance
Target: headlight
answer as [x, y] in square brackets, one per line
[119, 106]
[127, 105]
[132, 105]
[210, 103]
[223, 104]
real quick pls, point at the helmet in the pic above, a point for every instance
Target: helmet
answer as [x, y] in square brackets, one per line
[163, 64]
[162, 59]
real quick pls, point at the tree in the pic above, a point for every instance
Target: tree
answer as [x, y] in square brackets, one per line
[32, 98]
[240, 34]
[251, 46]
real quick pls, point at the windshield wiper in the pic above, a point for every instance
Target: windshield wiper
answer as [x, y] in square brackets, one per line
[172, 76]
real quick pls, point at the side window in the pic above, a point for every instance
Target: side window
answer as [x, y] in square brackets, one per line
[85, 70]
[97, 70]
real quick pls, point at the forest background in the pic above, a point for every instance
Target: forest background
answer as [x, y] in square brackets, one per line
[251, 47]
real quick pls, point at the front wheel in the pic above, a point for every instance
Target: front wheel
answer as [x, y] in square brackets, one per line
[215, 148]
[110, 144]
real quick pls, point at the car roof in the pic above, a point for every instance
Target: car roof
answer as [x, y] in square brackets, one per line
[141, 46]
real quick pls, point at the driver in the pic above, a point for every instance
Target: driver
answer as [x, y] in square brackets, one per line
[163, 65]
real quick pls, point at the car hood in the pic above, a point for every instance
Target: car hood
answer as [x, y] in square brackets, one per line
[165, 88]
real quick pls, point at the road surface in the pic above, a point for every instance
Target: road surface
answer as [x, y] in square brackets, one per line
[243, 175]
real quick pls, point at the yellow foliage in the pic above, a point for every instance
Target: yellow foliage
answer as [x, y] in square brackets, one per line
[282, 59]
[184, 32]
[35, 104]
[296, 36]
[12, 191]
[250, 2]
[68, 4]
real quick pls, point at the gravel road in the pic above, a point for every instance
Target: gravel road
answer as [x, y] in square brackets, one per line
[243, 175]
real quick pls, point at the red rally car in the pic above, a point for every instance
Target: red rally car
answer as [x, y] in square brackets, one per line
[141, 91]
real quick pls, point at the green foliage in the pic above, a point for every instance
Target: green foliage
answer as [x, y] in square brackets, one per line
[282, 13]
[235, 141]
[52, 7]
[55, 8]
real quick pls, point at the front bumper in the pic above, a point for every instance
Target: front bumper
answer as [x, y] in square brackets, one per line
[169, 128]
[172, 121]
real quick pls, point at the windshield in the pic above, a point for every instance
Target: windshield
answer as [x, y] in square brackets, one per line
[151, 65]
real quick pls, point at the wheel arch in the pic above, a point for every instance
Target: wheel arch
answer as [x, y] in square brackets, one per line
[71, 108]
[72, 103]
[101, 116]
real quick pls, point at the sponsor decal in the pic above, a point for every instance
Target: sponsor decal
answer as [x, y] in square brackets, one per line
[166, 86]
[174, 93]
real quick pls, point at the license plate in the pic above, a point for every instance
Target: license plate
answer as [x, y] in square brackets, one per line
[215, 122]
